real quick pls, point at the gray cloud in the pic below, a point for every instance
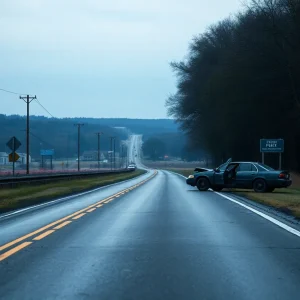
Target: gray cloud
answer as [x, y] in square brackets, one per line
[98, 58]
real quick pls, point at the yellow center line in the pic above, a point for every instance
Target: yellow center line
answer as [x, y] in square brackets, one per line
[92, 209]
[79, 216]
[104, 200]
[78, 213]
[118, 194]
[44, 234]
[39, 230]
[62, 224]
[109, 200]
[14, 250]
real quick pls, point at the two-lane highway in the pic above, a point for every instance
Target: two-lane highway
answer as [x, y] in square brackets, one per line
[158, 240]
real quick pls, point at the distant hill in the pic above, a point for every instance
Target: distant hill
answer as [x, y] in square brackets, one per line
[61, 135]
[138, 126]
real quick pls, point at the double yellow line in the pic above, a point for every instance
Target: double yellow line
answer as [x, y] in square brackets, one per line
[52, 227]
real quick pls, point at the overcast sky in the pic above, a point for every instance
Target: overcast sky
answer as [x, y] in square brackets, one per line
[94, 58]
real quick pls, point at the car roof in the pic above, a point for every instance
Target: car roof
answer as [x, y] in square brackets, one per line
[244, 162]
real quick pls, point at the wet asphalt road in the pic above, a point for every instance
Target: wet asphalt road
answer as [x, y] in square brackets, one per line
[161, 240]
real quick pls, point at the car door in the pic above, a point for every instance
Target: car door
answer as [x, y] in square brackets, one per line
[219, 173]
[229, 175]
[246, 172]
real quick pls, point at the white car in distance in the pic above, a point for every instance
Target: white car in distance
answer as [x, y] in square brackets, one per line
[131, 167]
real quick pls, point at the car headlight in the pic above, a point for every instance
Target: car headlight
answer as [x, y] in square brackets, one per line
[191, 176]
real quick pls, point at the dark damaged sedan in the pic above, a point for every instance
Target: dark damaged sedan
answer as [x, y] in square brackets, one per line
[246, 175]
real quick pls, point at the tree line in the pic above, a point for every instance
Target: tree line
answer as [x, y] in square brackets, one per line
[58, 134]
[170, 145]
[241, 83]
[61, 134]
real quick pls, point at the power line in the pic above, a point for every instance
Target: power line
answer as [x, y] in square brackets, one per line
[38, 102]
[44, 142]
[7, 91]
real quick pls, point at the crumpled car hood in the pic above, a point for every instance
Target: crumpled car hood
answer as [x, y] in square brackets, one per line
[199, 170]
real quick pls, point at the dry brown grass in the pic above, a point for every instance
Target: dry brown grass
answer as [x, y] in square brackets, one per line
[183, 171]
[173, 164]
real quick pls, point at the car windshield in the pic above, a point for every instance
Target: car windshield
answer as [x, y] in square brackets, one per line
[223, 167]
[264, 167]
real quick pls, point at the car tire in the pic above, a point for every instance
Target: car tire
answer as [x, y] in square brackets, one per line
[260, 186]
[217, 188]
[203, 184]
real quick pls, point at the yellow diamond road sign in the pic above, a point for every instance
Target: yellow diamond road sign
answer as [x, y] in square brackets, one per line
[11, 157]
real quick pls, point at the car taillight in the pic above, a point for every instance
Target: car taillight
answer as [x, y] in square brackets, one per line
[282, 175]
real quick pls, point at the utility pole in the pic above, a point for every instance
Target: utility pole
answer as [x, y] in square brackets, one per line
[27, 100]
[78, 159]
[111, 151]
[122, 155]
[99, 154]
[114, 153]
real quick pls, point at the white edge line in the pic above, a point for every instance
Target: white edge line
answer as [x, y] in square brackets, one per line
[271, 219]
[175, 173]
[66, 198]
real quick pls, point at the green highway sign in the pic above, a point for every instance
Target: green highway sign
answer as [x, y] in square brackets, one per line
[272, 145]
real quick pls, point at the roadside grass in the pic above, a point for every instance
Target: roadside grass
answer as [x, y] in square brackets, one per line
[183, 171]
[173, 164]
[286, 200]
[20, 197]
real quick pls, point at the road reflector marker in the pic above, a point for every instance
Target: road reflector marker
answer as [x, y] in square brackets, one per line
[79, 216]
[62, 224]
[41, 236]
[14, 250]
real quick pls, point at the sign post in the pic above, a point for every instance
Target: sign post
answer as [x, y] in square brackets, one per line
[272, 146]
[13, 144]
[47, 153]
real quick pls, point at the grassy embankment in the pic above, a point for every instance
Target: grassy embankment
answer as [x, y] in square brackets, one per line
[23, 196]
[286, 200]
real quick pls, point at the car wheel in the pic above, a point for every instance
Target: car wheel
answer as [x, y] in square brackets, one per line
[217, 188]
[203, 184]
[260, 186]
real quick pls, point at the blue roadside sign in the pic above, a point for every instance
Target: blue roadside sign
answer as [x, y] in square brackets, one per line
[272, 145]
[49, 152]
